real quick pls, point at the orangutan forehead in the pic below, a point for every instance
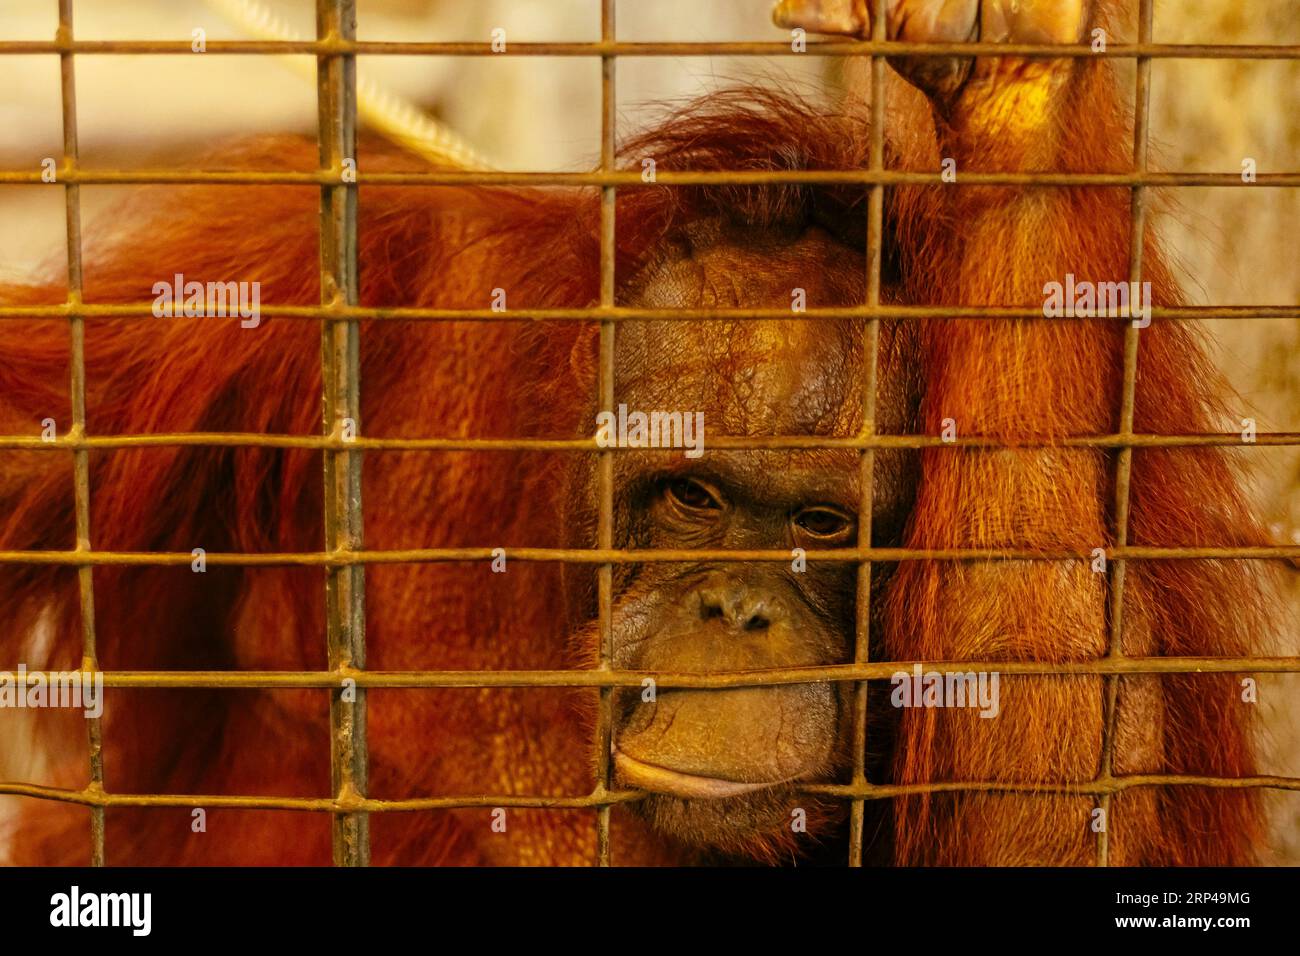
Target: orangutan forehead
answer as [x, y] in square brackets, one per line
[713, 264]
[749, 377]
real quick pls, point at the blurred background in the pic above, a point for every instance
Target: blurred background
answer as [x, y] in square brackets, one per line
[1236, 246]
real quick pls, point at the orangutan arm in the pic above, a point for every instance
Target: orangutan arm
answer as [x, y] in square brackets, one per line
[1027, 381]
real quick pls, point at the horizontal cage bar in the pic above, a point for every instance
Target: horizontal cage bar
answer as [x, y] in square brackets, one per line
[143, 311]
[857, 671]
[335, 46]
[344, 558]
[630, 178]
[589, 445]
[867, 791]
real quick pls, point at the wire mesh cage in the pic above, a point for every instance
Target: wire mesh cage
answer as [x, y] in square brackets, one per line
[344, 557]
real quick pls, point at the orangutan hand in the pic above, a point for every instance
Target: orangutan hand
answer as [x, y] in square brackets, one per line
[946, 21]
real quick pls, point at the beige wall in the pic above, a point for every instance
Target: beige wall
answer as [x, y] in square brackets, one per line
[1240, 246]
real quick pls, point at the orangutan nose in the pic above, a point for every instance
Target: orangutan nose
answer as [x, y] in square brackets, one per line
[734, 604]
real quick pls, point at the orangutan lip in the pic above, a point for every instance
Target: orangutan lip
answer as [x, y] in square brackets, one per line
[675, 783]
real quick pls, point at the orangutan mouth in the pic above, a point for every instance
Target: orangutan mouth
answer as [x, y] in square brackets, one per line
[678, 784]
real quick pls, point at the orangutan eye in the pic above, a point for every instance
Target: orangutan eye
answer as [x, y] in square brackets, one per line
[692, 495]
[824, 522]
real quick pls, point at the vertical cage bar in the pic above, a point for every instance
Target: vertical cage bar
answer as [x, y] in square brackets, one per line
[605, 465]
[1124, 460]
[80, 457]
[867, 461]
[340, 375]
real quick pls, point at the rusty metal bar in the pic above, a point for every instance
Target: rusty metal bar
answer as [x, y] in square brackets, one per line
[1124, 460]
[870, 670]
[609, 48]
[867, 458]
[720, 443]
[80, 456]
[605, 401]
[340, 373]
[618, 177]
[342, 557]
[605, 797]
[368, 805]
[143, 311]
